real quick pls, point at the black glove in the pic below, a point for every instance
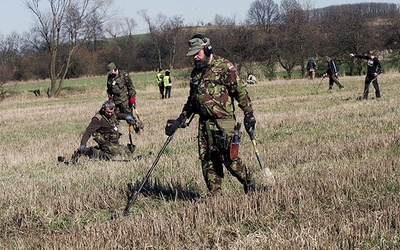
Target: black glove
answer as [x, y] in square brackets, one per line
[182, 121]
[249, 121]
[173, 125]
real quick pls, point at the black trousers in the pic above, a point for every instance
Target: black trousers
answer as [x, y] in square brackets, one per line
[374, 79]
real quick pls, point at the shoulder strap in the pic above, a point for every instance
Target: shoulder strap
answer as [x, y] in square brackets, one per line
[100, 116]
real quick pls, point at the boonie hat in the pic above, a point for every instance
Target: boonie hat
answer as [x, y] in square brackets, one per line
[195, 45]
[110, 67]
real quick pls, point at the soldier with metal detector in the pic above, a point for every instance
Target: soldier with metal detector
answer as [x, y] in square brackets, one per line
[374, 69]
[332, 71]
[214, 86]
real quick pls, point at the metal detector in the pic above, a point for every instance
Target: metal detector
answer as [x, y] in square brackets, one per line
[264, 170]
[133, 197]
[320, 84]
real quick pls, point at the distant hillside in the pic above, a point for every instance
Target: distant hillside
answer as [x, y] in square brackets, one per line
[366, 10]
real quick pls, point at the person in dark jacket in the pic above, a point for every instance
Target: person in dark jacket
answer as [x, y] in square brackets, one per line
[311, 67]
[373, 70]
[104, 130]
[332, 71]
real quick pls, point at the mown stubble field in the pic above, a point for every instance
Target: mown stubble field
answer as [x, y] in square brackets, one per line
[335, 160]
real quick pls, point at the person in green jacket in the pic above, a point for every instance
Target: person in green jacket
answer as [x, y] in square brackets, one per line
[120, 89]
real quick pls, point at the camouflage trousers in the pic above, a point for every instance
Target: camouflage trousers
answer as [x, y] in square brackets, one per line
[334, 79]
[123, 108]
[214, 153]
[111, 151]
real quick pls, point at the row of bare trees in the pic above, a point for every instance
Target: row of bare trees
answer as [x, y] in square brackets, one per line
[79, 37]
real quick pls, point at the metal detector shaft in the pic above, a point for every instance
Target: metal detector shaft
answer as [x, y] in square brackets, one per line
[251, 134]
[320, 83]
[265, 172]
[130, 133]
[134, 197]
[136, 112]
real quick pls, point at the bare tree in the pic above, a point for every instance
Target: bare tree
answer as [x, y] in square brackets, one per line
[263, 13]
[9, 50]
[173, 34]
[390, 32]
[290, 41]
[224, 21]
[155, 31]
[120, 27]
[66, 24]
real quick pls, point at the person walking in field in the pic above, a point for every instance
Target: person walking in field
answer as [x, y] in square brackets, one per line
[120, 89]
[167, 84]
[160, 82]
[374, 69]
[332, 71]
[311, 67]
[214, 86]
[104, 130]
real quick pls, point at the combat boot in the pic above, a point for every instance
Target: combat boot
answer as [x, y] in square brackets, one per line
[249, 186]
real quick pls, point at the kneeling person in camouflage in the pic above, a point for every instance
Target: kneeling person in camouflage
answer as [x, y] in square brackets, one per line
[104, 129]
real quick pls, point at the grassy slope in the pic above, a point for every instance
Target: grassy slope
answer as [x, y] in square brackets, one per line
[336, 161]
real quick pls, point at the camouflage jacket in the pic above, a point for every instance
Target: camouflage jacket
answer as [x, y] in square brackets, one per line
[120, 87]
[101, 126]
[213, 90]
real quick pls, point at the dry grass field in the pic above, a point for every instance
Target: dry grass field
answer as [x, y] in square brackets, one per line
[335, 160]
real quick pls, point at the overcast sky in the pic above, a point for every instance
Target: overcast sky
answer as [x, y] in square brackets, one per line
[14, 16]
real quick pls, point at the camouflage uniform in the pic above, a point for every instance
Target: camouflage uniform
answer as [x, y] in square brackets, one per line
[105, 132]
[212, 91]
[120, 88]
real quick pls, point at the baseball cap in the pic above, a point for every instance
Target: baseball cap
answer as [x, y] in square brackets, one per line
[195, 45]
[110, 67]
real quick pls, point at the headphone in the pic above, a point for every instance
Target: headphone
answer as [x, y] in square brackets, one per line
[208, 48]
[106, 104]
[103, 108]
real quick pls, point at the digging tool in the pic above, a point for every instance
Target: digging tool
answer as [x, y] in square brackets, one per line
[320, 83]
[133, 197]
[130, 133]
[139, 122]
[264, 170]
[131, 146]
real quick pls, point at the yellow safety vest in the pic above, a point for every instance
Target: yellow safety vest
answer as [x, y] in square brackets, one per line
[167, 81]
[159, 77]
